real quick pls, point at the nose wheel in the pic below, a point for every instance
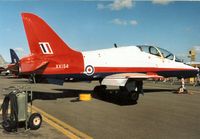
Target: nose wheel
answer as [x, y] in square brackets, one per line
[134, 96]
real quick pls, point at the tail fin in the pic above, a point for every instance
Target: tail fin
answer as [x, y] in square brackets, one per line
[48, 47]
[14, 57]
[41, 38]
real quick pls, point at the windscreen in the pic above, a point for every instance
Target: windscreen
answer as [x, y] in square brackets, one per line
[166, 54]
[158, 52]
[149, 49]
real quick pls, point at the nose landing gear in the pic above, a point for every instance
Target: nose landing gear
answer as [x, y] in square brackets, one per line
[182, 89]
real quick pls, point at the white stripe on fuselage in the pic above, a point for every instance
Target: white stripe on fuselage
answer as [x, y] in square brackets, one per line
[130, 56]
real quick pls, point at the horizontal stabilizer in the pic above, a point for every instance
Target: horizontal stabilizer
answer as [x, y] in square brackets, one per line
[44, 63]
[33, 68]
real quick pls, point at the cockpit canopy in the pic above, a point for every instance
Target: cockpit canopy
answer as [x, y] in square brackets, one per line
[158, 52]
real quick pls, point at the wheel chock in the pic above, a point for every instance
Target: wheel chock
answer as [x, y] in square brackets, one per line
[85, 97]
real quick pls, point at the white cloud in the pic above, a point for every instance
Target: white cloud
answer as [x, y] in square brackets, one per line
[116, 5]
[19, 49]
[162, 2]
[133, 22]
[118, 21]
[101, 6]
[123, 22]
[120, 4]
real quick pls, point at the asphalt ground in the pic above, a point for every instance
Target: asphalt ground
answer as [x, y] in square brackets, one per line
[160, 114]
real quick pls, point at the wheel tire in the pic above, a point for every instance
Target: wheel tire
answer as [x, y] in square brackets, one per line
[100, 91]
[8, 125]
[35, 121]
[125, 95]
[134, 96]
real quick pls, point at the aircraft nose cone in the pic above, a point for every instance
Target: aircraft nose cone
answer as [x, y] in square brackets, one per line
[194, 72]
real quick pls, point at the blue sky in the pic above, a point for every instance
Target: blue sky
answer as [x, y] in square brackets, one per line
[90, 25]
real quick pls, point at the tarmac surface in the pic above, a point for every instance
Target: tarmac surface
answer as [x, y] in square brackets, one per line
[159, 114]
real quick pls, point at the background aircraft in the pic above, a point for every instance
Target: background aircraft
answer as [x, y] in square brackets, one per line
[3, 65]
[13, 67]
[51, 58]
[14, 57]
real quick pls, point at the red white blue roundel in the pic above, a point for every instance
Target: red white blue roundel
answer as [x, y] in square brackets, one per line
[89, 70]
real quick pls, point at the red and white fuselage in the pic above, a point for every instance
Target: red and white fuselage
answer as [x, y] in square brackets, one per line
[52, 57]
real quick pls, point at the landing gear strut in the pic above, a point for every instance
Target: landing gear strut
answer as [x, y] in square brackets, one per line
[182, 89]
[128, 93]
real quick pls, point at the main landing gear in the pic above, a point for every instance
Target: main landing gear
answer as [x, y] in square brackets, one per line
[128, 93]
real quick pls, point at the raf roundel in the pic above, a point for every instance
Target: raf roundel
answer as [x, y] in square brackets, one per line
[89, 70]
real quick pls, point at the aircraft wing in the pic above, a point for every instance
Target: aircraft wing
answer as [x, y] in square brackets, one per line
[121, 78]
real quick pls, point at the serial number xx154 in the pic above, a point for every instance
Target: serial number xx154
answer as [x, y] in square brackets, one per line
[62, 66]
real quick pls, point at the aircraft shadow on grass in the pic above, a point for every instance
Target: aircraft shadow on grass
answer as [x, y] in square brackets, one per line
[112, 96]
